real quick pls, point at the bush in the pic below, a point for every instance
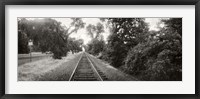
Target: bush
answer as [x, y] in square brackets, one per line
[156, 60]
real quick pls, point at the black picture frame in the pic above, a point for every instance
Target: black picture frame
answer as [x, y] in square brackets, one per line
[99, 2]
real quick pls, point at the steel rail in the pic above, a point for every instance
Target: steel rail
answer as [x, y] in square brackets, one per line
[94, 68]
[75, 68]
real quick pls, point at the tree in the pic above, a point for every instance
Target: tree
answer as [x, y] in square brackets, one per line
[76, 24]
[22, 37]
[175, 24]
[91, 30]
[75, 45]
[50, 37]
[48, 34]
[160, 56]
[97, 44]
[126, 33]
[95, 31]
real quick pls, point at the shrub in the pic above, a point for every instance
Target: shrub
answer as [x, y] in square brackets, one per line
[156, 60]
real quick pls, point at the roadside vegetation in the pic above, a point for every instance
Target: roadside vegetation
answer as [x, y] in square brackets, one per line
[131, 47]
[147, 55]
[48, 35]
[48, 69]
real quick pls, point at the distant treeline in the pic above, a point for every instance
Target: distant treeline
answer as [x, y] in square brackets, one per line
[148, 55]
[48, 35]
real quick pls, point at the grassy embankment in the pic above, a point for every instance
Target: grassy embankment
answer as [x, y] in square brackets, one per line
[48, 69]
[113, 74]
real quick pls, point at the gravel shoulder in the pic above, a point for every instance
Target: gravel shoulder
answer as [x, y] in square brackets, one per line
[113, 74]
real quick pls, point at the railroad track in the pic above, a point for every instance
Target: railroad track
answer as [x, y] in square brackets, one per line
[85, 70]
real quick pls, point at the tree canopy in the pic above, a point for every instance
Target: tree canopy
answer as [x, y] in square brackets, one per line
[96, 45]
[145, 54]
[48, 35]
